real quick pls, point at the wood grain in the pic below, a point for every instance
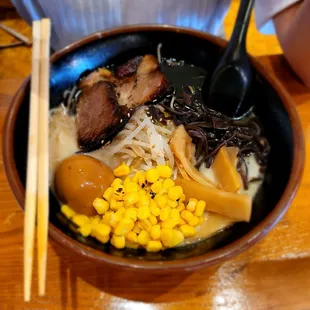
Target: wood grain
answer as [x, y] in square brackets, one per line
[273, 274]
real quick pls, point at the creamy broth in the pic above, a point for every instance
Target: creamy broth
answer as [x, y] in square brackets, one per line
[62, 138]
[111, 161]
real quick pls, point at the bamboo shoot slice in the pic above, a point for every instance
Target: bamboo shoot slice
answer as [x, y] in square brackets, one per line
[181, 146]
[233, 154]
[225, 172]
[236, 206]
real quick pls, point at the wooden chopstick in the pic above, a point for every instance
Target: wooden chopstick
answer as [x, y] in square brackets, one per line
[32, 161]
[16, 34]
[43, 182]
[37, 183]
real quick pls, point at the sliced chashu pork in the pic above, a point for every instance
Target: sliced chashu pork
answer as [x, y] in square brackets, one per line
[145, 84]
[99, 117]
[108, 101]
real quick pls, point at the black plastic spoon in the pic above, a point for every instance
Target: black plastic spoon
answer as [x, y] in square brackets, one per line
[231, 81]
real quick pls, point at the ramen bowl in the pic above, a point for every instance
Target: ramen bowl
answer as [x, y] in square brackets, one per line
[273, 106]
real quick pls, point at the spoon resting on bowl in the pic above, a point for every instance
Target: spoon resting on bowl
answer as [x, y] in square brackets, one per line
[231, 81]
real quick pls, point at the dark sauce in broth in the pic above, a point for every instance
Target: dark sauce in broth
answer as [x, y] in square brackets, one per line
[181, 74]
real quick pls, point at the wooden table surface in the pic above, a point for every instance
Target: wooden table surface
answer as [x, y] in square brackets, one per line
[273, 274]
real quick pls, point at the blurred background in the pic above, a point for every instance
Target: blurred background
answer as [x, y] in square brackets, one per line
[15, 62]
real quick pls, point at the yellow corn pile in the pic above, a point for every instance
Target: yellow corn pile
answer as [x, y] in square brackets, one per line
[146, 210]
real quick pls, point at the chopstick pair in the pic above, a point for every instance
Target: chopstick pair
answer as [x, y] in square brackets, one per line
[37, 186]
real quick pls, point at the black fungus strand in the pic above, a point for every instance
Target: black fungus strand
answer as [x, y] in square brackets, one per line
[210, 130]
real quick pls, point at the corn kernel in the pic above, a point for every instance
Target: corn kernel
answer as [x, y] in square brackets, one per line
[165, 213]
[120, 205]
[186, 215]
[146, 225]
[152, 219]
[170, 223]
[142, 193]
[143, 213]
[118, 241]
[134, 179]
[143, 237]
[141, 179]
[156, 187]
[188, 231]
[67, 211]
[85, 230]
[200, 208]
[175, 192]
[177, 238]
[155, 232]
[131, 213]
[164, 171]
[201, 220]
[137, 229]
[163, 192]
[80, 219]
[161, 201]
[101, 205]
[107, 217]
[172, 203]
[181, 207]
[124, 226]
[166, 236]
[130, 199]
[175, 214]
[131, 187]
[116, 183]
[102, 230]
[168, 183]
[132, 237]
[102, 239]
[182, 222]
[191, 205]
[182, 199]
[152, 175]
[193, 221]
[121, 170]
[131, 245]
[118, 193]
[120, 212]
[127, 180]
[143, 201]
[108, 194]
[115, 218]
[115, 205]
[154, 246]
[95, 220]
[149, 193]
[153, 208]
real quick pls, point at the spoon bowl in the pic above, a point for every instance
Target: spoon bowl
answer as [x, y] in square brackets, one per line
[236, 80]
[231, 82]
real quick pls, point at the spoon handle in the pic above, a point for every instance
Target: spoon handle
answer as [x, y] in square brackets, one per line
[236, 45]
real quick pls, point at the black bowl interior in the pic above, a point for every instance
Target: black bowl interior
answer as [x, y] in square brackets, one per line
[116, 50]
